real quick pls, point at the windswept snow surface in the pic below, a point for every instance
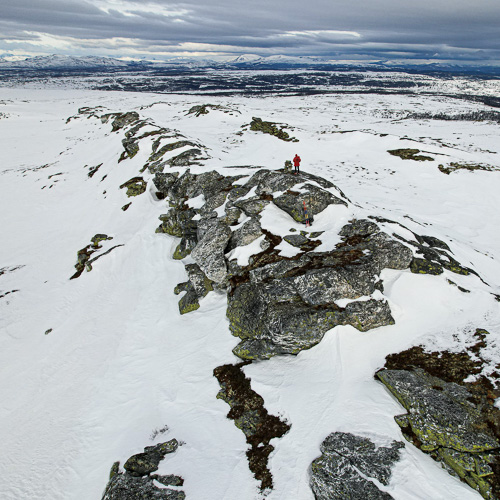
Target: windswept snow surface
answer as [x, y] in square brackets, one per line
[120, 361]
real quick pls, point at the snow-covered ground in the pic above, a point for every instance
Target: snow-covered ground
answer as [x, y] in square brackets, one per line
[120, 363]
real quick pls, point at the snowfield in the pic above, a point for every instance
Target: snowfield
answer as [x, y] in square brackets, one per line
[94, 369]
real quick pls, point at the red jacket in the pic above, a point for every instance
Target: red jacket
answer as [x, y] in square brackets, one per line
[296, 161]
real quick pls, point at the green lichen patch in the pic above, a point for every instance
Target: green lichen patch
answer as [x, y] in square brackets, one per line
[471, 167]
[115, 469]
[423, 266]
[135, 186]
[250, 415]
[126, 206]
[410, 154]
[189, 303]
[271, 128]
[131, 148]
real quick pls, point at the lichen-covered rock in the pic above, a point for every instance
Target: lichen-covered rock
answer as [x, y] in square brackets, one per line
[201, 284]
[189, 302]
[131, 148]
[274, 318]
[296, 240]
[444, 420]
[185, 158]
[270, 128]
[388, 253]
[248, 232]
[169, 480]
[144, 463]
[252, 206]
[121, 120]
[349, 464]
[178, 222]
[423, 266]
[271, 181]
[127, 487]
[184, 248]
[359, 227]
[440, 414]
[135, 186]
[315, 199]
[432, 241]
[96, 239]
[410, 154]
[164, 181]
[209, 252]
[439, 374]
[167, 148]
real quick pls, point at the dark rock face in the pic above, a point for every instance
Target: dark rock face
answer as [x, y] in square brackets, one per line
[347, 464]
[287, 305]
[127, 487]
[147, 462]
[137, 483]
[289, 315]
[454, 421]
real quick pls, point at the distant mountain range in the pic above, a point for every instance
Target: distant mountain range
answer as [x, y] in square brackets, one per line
[245, 62]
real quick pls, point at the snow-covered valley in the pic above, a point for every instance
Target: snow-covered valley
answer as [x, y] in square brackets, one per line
[95, 369]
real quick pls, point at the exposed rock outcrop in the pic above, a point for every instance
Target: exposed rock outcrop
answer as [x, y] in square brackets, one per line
[271, 128]
[410, 154]
[454, 421]
[350, 467]
[138, 482]
[84, 260]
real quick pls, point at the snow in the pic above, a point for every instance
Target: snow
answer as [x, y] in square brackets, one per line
[121, 362]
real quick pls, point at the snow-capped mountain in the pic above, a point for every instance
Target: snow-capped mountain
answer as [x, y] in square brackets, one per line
[182, 316]
[69, 62]
[246, 61]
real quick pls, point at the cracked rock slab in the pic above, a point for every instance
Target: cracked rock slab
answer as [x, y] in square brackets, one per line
[351, 466]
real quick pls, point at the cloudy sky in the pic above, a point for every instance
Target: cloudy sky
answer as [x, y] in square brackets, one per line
[441, 30]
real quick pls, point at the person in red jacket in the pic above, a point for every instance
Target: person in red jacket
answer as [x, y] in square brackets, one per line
[296, 163]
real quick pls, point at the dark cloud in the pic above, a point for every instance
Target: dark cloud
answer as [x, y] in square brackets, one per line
[373, 28]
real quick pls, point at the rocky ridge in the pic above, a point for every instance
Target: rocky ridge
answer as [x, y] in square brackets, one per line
[281, 304]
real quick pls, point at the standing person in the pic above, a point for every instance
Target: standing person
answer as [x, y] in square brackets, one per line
[296, 163]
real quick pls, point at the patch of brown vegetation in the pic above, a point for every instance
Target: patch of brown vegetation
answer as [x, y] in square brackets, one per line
[249, 414]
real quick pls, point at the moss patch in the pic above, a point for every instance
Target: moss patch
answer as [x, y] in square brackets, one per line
[471, 167]
[271, 128]
[249, 415]
[410, 154]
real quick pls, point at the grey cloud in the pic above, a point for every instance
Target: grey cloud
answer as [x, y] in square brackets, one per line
[404, 27]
